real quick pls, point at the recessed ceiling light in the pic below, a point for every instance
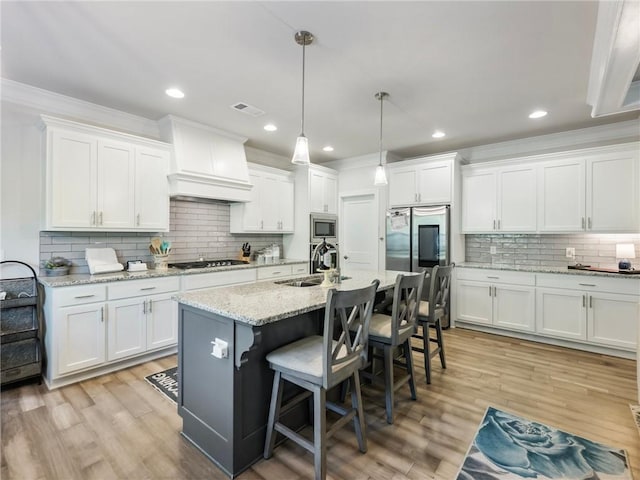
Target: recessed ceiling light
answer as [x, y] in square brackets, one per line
[328, 148]
[174, 92]
[270, 127]
[438, 134]
[538, 114]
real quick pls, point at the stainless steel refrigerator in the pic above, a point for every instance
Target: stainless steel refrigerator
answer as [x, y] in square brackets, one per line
[418, 238]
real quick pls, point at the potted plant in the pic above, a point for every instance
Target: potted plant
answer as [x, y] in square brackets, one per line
[57, 266]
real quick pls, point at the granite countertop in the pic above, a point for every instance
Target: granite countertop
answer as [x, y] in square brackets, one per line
[547, 269]
[269, 301]
[86, 278]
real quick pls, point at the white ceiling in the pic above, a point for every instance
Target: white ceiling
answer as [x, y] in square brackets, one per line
[472, 69]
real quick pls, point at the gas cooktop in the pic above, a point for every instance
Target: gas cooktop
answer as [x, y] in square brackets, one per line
[206, 264]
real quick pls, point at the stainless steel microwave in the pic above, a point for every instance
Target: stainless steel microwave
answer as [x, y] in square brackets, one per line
[324, 227]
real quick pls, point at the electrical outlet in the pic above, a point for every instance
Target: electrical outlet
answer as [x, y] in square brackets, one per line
[493, 250]
[570, 252]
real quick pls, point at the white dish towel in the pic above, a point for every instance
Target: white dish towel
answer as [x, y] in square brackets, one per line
[102, 260]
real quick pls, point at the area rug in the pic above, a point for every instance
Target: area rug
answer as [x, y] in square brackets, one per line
[166, 382]
[511, 447]
[635, 411]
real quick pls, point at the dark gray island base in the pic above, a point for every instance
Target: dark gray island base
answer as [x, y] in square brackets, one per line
[224, 402]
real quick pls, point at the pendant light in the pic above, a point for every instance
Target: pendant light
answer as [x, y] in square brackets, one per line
[301, 152]
[381, 174]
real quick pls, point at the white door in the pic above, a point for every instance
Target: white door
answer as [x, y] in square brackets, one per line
[479, 196]
[269, 197]
[286, 195]
[561, 196]
[331, 193]
[252, 216]
[162, 321]
[434, 183]
[116, 183]
[81, 337]
[561, 313]
[475, 301]
[359, 237]
[517, 205]
[127, 328]
[514, 307]
[613, 319]
[152, 189]
[316, 192]
[402, 187]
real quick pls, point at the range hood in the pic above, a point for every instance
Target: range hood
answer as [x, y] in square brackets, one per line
[207, 162]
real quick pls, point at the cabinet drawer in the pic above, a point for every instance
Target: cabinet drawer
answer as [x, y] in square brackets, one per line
[495, 276]
[80, 295]
[137, 288]
[628, 286]
[300, 269]
[218, 279]
[264, 273]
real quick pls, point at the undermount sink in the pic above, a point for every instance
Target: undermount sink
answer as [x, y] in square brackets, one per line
[306, 281]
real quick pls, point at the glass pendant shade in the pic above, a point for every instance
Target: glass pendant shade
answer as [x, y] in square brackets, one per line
[301, 152]
[381, 176]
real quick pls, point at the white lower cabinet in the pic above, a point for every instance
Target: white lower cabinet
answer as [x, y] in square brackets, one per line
[81, 337]
[585, 309]
[499, 299]
[599, 311]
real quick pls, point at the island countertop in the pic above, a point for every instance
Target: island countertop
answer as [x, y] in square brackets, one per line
[269, 301]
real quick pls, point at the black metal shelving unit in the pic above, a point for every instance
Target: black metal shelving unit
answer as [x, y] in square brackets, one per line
[21, 346]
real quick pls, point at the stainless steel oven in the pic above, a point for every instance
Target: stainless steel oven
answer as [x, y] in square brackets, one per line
[323, 227]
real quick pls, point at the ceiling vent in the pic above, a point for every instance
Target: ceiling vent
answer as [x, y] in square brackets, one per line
[248, 109]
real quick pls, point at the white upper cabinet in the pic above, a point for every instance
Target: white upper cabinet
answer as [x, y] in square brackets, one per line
[596, 190]
[97, 179]
[424, 182]
[499, 199]
[323, 191]
[270, 209]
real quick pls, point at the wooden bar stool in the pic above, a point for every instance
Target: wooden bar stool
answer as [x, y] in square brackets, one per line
[388, 332]
[318, 363]
[430, 315]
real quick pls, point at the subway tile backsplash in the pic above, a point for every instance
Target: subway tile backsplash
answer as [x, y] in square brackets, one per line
[197, 229]
[597, 250]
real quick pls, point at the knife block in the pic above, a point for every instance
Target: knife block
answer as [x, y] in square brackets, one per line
[242, 257]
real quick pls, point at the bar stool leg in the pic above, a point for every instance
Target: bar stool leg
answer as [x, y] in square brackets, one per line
[319, 432]
[274, 414]
[440, 343]
[426, 343]
[359, 423]
[388, 381]
[409, 362]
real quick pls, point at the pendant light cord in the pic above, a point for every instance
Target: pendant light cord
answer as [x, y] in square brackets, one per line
[304, 45]
[381, 101]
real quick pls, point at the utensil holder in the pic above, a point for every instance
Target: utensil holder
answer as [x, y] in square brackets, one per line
[161, 261]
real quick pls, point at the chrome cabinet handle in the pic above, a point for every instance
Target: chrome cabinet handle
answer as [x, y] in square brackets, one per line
[144, 307]
[261, 224]
[100, 216]
[590, 301]
[148, 288]
[138, 220]
[102, 314]
[588, 284]
[584, 300]
[84, 296]
[495, 291]
[494, 224]
[498, 224]
[495, 278]
[276, 273]
[589, 223]
[489, 290]
[93, 218]
[150, 306]
[583, 222]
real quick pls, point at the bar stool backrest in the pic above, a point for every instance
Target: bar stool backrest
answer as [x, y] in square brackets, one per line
[439, 291]
[347, 318]
[406, 301]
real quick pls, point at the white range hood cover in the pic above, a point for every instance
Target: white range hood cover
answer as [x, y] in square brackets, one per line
[207, 162]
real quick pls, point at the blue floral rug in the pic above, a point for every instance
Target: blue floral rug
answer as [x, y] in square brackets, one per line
[635, 411]
[511, 447]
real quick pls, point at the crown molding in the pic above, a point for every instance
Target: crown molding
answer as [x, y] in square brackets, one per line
[45, 101]
[555, 142]
[362, 161]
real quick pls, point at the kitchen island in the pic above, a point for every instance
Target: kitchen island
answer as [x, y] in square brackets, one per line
[224, 395]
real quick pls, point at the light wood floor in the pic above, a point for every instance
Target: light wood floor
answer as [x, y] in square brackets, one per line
[117, 426]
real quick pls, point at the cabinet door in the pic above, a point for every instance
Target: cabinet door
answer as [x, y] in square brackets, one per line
[613, 320]
[81, 337]
[316, 192]
[72, 167]
[479, 202]
[561, 196]
[434, 183]
[116, 182]
[561, 313]
[474, 302]
[402, 187]
[613, 193]
[270, 206]
[286, 205]
[514, 307]
[252, 211]
[331, 194]
[517, 200]
[127, 329]
[162, 322]
[151, 189]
